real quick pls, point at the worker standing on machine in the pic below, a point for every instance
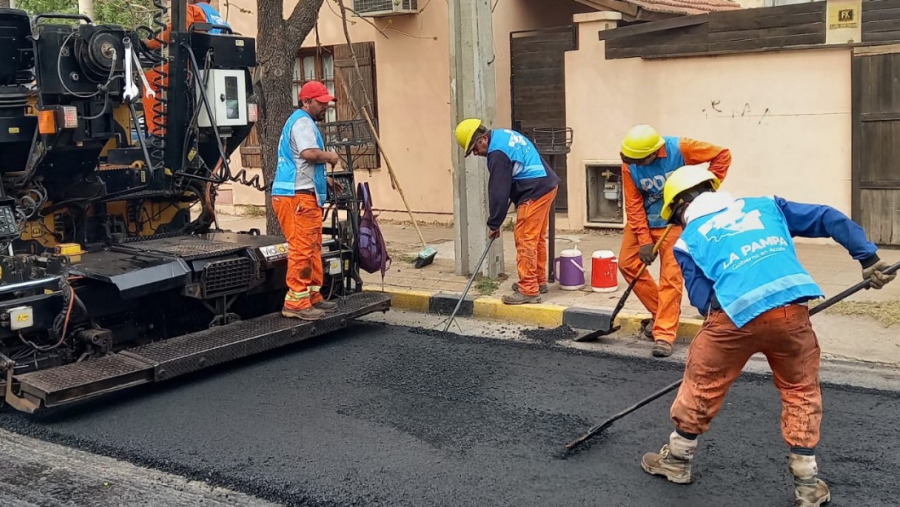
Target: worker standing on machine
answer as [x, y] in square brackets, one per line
[742, 272]
[299, 192]
[198, 11]
[647, 160]
[517, 173]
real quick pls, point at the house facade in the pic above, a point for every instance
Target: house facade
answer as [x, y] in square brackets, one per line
[773, 84]
[408, 59]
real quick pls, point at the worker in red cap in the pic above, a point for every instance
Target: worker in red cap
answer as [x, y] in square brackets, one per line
[299, 191]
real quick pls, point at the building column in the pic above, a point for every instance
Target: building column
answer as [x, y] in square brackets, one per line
[472, 95]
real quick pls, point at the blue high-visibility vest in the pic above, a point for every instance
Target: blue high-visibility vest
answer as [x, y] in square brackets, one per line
[213, 17]
[286, 170]
[651, 179]
[747, 251]
[527, 163]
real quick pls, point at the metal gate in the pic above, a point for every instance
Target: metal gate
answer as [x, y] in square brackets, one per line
[875, 178]
[538, 86]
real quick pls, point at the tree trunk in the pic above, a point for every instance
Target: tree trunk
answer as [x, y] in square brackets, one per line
[278, 40]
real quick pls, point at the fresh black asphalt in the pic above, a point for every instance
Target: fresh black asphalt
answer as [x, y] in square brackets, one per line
[380, 415]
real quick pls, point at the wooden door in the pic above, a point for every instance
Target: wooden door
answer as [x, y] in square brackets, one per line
[538, 86]
[875, 175]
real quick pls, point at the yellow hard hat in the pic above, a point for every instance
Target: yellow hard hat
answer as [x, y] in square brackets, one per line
[641, 142]
[684, 178]
[465, 131]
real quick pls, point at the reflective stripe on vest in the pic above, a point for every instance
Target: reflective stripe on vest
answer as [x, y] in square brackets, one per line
[213, 17]
[746, 249]
[651, 179]
[527, 163]
[285, 182]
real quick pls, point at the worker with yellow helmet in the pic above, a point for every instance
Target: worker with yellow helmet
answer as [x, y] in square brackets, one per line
[519, 175]
[742, 272]
[647, 161]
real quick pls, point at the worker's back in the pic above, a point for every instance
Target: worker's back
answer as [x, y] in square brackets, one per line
[745, 249]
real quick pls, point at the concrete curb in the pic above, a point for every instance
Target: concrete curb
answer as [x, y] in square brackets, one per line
[542, 315]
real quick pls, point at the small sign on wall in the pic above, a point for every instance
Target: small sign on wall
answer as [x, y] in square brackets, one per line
[843, 21]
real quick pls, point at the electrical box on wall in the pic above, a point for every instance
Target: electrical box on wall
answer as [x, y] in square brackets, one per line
[605, 202]
[226, 91]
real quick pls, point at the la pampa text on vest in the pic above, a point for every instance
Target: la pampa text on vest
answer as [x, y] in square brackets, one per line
[651, 179]
[746, 249]
[286, 170]
[527, 163]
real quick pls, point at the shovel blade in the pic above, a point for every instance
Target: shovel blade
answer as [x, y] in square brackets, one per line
[597, 334]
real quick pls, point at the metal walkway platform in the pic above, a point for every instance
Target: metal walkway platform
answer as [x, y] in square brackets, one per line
[177, 356]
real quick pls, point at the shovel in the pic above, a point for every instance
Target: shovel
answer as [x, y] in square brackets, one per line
[819, 308]
[611, 328]
[468, 285]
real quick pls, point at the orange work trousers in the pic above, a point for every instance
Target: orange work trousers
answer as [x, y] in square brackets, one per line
[156, 125]
[532, 221]
[663, 301]
[301, 222]
[719, 352]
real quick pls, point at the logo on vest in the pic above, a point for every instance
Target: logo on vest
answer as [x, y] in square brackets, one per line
[731, 222]
[756, 251]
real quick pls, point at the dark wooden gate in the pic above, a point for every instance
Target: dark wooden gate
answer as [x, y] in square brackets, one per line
[538, 86]
[875, 175]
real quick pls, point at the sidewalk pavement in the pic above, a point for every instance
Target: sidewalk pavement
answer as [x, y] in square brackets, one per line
[861, 329]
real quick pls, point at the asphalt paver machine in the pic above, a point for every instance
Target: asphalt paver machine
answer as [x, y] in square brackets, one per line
[113, 272]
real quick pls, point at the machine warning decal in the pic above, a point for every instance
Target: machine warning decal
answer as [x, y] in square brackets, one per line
[275, 252]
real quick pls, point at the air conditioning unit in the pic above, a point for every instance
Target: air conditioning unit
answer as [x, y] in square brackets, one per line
[379, 8]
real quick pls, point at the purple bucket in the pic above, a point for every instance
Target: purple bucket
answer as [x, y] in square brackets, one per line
[569, 269]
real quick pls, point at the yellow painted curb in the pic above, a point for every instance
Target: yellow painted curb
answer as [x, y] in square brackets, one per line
[415, 300]
[539, 314]
[687, 328]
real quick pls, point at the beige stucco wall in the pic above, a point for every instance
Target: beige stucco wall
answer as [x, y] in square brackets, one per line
[785, 116]
[413, 74]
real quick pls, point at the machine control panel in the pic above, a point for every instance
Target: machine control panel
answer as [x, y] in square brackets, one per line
[347, 192]
[9, 227]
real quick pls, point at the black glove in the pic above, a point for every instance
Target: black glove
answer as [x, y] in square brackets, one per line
[875, 275]
[646, 254]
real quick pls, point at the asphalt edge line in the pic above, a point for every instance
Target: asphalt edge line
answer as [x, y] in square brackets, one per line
[541, 314]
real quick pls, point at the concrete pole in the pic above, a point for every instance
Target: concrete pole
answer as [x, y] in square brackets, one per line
[86, 7]
[472, 95]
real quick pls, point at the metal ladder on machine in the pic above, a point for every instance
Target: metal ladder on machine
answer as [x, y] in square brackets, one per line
[353, 138]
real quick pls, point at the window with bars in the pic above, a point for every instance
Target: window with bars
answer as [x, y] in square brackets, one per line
[335, 68]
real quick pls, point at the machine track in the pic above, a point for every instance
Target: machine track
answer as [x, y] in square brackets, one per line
[167, 359]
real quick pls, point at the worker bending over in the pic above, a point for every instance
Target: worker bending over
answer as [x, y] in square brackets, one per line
[517, 174]
[198, 11]
[648, 160]
[299, 191]
[741, 271]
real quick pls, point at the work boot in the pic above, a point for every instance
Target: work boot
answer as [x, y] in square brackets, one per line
[673, 461]
[662, 348]
[310, 313]
[517, 298]
[327, 306]
[809, 491]
[543, 288]
[647, 328]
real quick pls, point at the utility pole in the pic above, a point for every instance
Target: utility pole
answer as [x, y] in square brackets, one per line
[86, 7]
[472, 95]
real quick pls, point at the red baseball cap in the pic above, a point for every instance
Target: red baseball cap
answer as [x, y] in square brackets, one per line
[316, 90]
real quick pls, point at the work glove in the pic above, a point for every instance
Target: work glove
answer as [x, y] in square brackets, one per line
[875, 275]
[646, 254]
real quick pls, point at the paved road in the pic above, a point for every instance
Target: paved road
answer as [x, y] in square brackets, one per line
[388, 416]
